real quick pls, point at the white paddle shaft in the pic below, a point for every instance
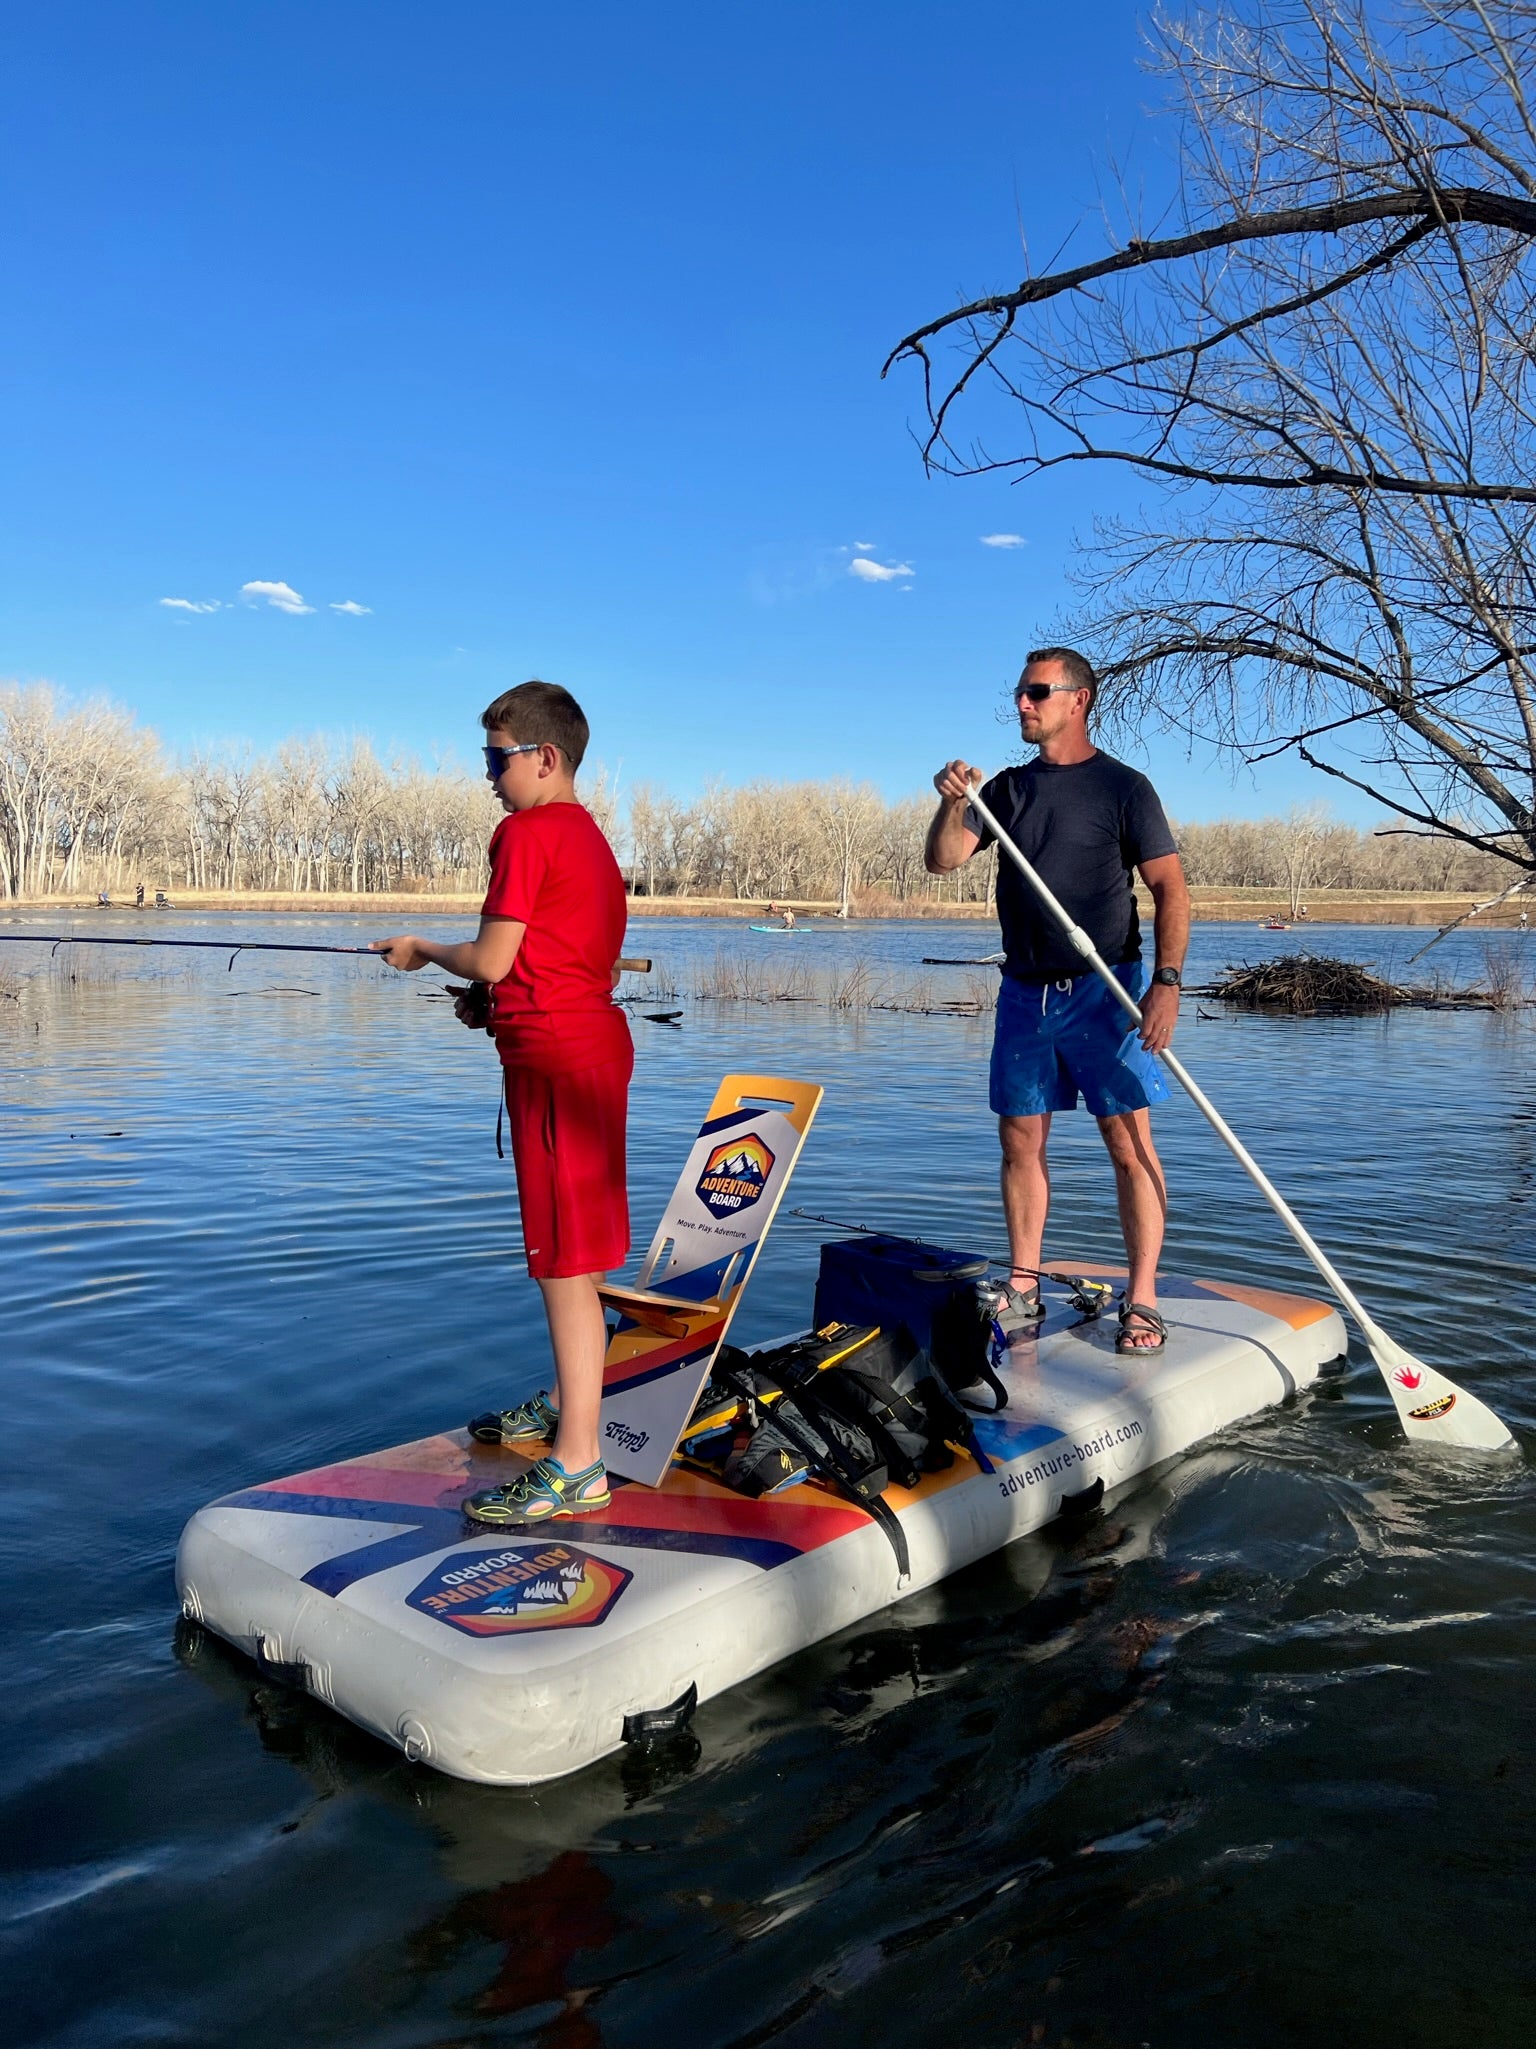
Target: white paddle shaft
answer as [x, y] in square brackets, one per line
[1385, 1350]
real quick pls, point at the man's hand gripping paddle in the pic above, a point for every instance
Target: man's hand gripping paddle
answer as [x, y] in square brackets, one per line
[1429, 1407]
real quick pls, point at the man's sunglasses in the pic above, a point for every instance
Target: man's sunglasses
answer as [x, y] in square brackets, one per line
[497, 758]
[1037, 693]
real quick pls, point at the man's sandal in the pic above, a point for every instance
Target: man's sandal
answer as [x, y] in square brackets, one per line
[543, 1494]
[534, 1421]
[1152, 1324]
[1015, 1311]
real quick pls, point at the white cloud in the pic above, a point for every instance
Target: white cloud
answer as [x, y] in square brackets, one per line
[353, 609]
[190, 604]
[865, 547]
[1004, 541]
[878, 572]
[281, 596]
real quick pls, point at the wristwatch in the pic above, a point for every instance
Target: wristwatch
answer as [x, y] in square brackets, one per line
[1169, 977]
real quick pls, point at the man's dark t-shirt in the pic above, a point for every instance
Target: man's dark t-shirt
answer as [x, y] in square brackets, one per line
[1084, 828]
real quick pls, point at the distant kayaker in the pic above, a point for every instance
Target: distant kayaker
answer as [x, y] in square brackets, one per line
[1089, 824]
[551, 929]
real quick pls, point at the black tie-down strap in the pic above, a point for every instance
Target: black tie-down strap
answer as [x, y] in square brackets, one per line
[861, 1484]
[860, 1478]
[961, 1344]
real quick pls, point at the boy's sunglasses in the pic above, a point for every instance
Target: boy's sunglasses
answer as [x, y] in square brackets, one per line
[1037, 693]
[496, 758]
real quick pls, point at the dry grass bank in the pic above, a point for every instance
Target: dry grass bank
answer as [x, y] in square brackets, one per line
[1216, 906]
[1213, 906]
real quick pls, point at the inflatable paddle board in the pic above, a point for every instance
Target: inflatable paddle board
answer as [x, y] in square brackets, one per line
[517, 1657]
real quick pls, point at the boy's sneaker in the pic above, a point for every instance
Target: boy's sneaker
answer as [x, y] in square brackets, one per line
[534, 1421]
[543, 1493]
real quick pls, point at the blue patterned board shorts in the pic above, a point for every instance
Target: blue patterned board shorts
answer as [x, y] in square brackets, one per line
[1056, 1038]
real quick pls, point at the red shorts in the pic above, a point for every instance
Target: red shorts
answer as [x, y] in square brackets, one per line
[567, 1122]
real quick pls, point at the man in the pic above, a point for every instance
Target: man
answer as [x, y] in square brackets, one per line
[1086, 823]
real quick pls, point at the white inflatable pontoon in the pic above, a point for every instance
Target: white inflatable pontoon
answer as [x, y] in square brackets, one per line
[513, 1659]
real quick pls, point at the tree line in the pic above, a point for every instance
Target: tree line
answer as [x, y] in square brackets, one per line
[90, 801]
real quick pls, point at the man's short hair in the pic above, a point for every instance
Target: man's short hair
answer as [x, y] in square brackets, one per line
[542, 715]
[1080, 671]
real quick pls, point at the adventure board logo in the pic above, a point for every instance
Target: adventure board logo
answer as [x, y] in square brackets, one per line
[1440, 1407]
[735, 1175]
[524, 1586]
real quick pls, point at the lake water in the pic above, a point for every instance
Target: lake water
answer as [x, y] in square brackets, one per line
[1252, 1761]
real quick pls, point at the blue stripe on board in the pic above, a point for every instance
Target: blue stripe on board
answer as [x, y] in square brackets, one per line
[438, 1529]
[340, 1506]
[724, 1123]
[700, 1283]
[427, 1529]
[1006, 1440]
[763, 1551]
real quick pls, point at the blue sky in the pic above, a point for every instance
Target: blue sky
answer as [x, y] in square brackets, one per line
[552, 338]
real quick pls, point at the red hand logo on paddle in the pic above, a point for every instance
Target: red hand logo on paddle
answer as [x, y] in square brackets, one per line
[1406, 1377]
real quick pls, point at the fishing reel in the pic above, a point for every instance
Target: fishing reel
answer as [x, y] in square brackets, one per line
[1089, 1298]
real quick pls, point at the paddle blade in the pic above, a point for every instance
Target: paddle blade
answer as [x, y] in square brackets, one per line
[1431, 1408]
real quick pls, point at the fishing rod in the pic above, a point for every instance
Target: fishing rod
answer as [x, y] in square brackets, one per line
[1428, 1404]
[231, 946]
[1090, 1296]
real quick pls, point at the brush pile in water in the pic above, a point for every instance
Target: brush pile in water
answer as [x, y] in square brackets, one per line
[1304, 983]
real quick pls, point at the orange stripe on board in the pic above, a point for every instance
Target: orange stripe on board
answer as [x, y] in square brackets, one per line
[1296, 1310]
[805, 1517]
[618, 1373]
[444, 1453]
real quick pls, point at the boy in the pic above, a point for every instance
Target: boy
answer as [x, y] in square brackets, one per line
[551, 929]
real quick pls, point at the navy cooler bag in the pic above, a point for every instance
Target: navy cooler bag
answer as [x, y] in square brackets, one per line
[932, 1291]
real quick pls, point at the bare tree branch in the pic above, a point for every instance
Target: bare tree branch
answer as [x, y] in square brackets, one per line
[1330, 362]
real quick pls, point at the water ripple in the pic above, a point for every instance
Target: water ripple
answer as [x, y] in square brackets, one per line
[1183, 1776]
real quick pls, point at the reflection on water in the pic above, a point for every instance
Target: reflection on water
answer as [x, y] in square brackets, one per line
[1249, 1759]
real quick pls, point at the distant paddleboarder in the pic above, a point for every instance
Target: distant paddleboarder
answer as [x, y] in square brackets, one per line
[1089, 824]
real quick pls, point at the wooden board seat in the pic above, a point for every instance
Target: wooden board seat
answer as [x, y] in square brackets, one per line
[669, 1315]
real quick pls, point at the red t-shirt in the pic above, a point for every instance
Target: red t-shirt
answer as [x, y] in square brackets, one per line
[552, 870]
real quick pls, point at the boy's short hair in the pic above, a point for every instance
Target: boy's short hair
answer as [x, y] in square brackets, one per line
[1080, 671]
[542, 714]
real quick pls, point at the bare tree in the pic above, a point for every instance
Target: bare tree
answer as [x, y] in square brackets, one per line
[81, 789]
[647, 837]
[600, 795]
[1331, 360]
[1301, 844]
[848, 817]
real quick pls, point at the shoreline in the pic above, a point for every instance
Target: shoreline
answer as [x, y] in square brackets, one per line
[1209, 906]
